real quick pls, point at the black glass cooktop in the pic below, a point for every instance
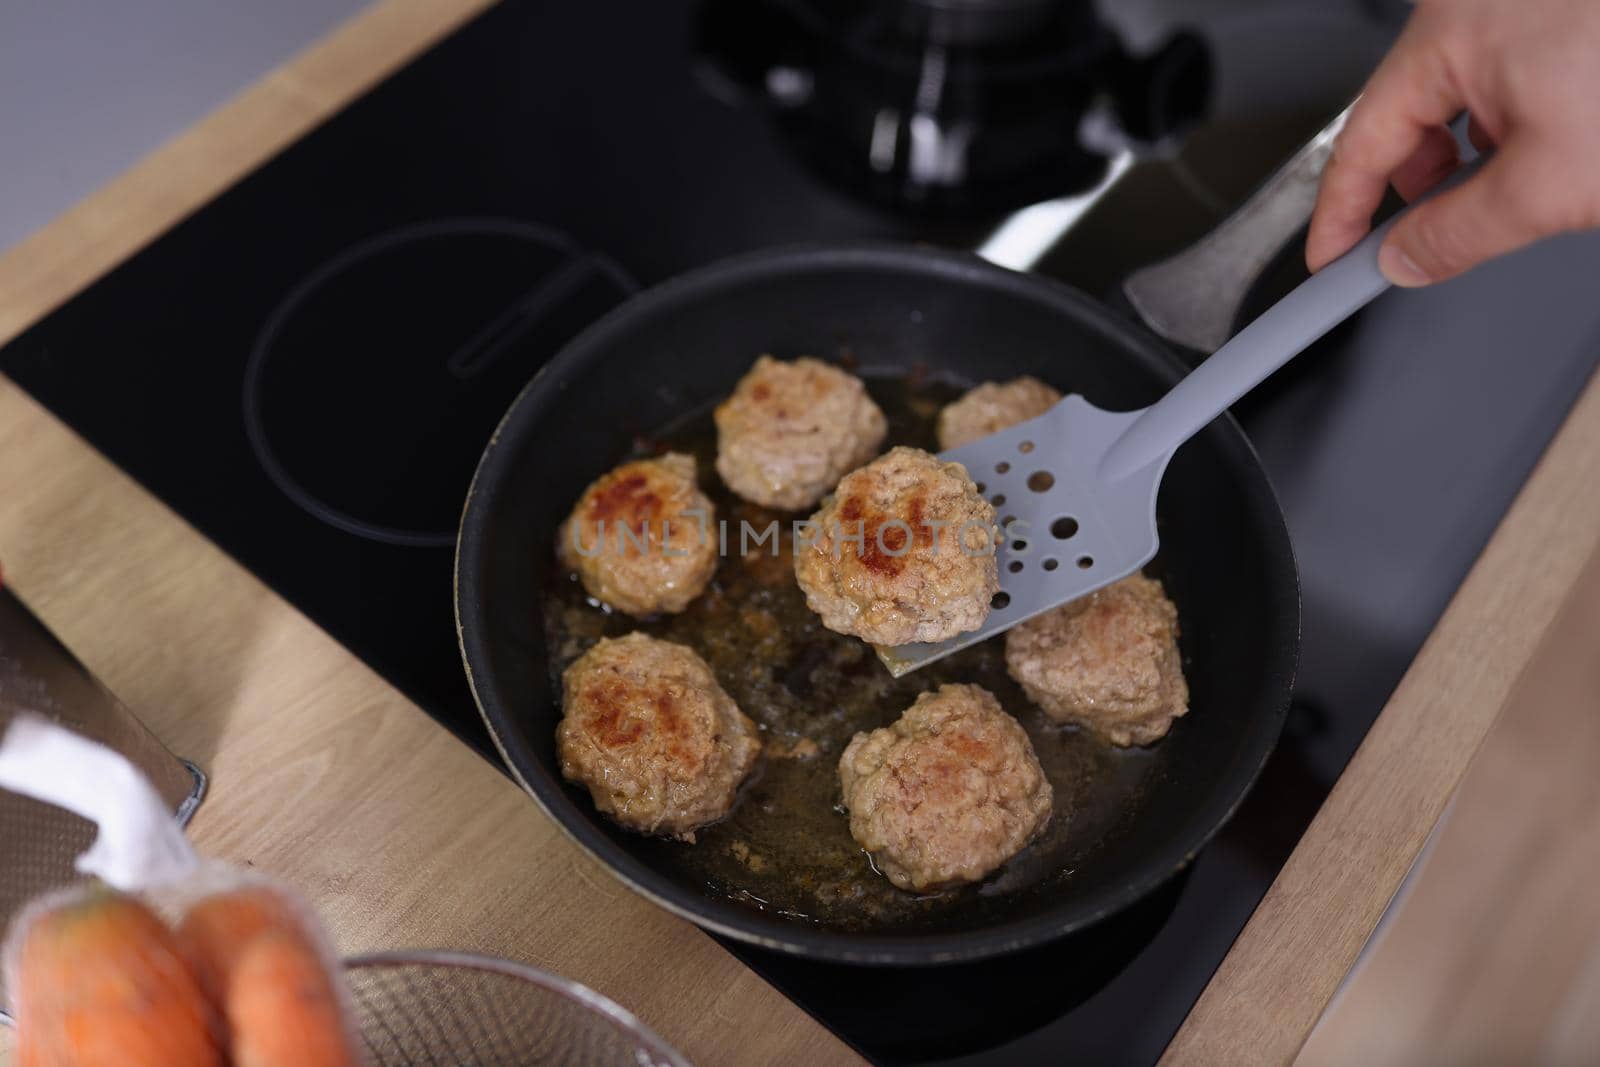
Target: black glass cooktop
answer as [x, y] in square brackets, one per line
[307, 368]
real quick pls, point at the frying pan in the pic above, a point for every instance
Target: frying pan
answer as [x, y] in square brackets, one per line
[679, 347]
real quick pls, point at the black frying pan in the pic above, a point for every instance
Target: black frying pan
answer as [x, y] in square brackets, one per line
[677, 348]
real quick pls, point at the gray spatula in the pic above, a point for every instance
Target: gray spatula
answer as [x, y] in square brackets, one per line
[1075, 488]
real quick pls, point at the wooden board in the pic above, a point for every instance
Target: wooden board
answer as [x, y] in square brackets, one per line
[1493, 953]
[1301, 942]
[405, 837]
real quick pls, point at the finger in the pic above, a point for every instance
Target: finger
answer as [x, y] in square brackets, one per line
[1430, 164]
[1478, 136]
[1410, 93]
[1492, 213]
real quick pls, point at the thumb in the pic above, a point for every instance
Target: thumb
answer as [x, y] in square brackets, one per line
[1488, 215]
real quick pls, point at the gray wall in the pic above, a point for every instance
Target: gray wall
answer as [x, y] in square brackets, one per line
[88, 87]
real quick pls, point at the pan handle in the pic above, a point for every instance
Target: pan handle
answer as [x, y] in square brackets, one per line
[1282, 332]
[1193, 298]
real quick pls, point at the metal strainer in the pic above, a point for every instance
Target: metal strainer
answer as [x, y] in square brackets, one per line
[453, 1008]
[39, 841]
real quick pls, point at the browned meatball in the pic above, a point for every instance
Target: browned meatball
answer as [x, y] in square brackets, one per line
[791, 430]
[641, 537]
[660, 745]
[924, 569]
[993, 406]
[1108, 661]
[948, 793]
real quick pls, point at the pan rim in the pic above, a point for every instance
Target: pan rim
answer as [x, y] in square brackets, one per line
[762, 929]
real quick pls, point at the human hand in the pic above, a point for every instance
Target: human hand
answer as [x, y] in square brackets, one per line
[1528, 73]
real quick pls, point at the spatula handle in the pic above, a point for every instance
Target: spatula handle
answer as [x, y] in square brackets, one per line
[1282, 332]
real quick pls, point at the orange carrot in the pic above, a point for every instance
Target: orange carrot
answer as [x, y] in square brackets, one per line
[217, 929]
[99, 981]
[283, 1010]
[260, 959]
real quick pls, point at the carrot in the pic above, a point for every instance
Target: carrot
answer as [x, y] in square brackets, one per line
[99, 981]
[260, 959]
[216, 930]
[283, 1010]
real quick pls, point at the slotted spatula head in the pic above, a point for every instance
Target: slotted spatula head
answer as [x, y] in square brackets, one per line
[1067, 530]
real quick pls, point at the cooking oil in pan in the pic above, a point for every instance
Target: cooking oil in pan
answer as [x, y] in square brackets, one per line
[786, 848]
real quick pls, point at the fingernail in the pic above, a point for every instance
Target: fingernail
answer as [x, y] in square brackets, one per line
[1400, 268]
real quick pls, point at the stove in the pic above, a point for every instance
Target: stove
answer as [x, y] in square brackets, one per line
[307, 368]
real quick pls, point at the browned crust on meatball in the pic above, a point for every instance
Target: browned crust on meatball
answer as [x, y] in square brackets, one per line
[792, 429]
[643, 498]
[991, 407]
[647, 728]
[948, 793]
[885, 590]
[1108, 661]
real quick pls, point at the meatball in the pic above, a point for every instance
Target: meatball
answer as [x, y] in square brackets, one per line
[948, 793]
[660, 745]
[640, 537]
[791, 430]
[1108, 661]
[904, 551]
[991, 407]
